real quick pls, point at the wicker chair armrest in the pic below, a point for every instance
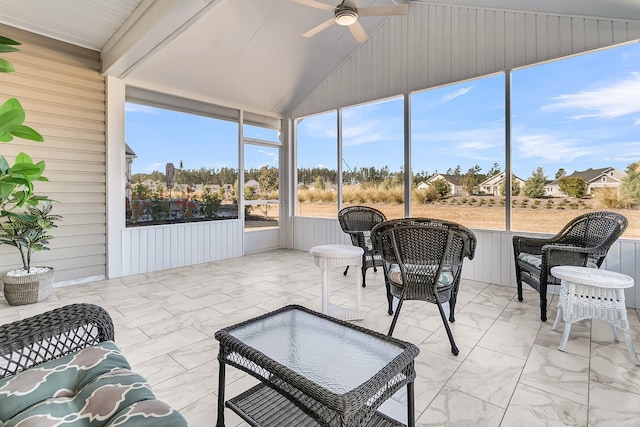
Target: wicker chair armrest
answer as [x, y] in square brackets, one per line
[554, 255]
[50, 335]
[531, 245]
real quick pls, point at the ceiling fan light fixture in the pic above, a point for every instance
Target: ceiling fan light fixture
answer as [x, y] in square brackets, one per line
[346, 17]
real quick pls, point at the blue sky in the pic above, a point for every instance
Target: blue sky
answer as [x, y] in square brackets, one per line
[574, 114]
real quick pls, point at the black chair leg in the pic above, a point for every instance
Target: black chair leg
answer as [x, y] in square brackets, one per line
[452, 308]
[389, 298]
[543, 300]
[543, 308]
[395, 317]
[364, 276]
[454, 348]
[519, 285]
[345, 271]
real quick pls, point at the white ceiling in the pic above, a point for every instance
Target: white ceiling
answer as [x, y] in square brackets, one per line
[244, 53]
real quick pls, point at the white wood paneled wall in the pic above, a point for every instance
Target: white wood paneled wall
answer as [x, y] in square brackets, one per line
[493, 261]
[441, 44]
[146, 249]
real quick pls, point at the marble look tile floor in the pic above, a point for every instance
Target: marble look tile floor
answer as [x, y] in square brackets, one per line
[509, 371]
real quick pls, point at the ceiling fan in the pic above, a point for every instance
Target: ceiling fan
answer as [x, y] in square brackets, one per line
[346, 14]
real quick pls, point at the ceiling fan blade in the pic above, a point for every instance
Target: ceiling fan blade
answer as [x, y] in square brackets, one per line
[315, 30]
[315, 4]
[400, 9]
[358, 32]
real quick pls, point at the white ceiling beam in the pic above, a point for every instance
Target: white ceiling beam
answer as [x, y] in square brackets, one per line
[151, 26]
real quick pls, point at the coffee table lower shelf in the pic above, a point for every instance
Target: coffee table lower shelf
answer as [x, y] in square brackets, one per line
[263, 406]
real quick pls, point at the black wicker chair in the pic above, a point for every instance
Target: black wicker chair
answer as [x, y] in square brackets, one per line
[357, 222]
[48, 336]
[423, 261]
[584, 242]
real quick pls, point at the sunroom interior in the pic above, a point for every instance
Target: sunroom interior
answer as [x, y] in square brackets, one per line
[246, 62]
[87, 70]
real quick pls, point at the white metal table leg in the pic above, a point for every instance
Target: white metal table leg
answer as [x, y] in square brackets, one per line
[325, 291]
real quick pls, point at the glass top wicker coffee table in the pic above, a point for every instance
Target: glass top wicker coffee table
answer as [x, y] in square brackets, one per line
[314, 370]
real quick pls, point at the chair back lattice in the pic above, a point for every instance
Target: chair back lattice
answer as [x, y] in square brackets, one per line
[424, 249]
[50, 335]
[355, 219]
[593, 230]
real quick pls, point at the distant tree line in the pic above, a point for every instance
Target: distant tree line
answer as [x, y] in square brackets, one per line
[265, 175]
[384, 176]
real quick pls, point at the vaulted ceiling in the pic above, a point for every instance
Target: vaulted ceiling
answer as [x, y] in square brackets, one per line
[243, 53]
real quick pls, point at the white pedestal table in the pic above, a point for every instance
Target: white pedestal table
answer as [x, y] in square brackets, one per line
[327, 257]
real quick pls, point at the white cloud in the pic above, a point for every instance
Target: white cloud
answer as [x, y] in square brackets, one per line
[153, 167]
[556, 148]
[362, 133]
[270, 154]
[453, 95]
[549, 148]
[610, 101]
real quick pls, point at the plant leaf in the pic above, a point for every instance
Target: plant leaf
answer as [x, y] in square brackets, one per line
[7, 40]
[11, 116]
[23, 158]
[4, 48]
[25, 132]
[6, 66]
[5, 137]
[4, 165]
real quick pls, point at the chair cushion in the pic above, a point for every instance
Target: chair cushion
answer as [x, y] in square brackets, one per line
[536, 260]
[445, 279]
[93, 386]
[367, 240]
[533, 260]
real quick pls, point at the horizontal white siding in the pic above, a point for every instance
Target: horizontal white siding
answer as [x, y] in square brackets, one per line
[154, 248]
[440, 44]
[63, 93]
[493, 261]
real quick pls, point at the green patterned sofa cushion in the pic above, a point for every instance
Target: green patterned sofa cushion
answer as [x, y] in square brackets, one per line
[92, 387]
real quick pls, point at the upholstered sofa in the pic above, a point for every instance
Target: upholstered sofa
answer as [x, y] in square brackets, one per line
[62, 367]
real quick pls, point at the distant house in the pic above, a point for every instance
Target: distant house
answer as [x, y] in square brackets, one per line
[152, 185]
[493, 185]
[608, 177]
[454, 181]
[252, 183]
[129, 155]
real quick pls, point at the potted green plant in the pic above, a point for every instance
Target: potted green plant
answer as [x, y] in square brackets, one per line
[28, 233]
[17, 183]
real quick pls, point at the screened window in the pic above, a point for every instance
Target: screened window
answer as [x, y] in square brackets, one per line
[373, 156]
[180, 167]
[575, 136]
[458, 153]
[317, 166]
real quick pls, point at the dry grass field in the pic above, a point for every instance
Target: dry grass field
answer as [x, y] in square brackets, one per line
[537, 218]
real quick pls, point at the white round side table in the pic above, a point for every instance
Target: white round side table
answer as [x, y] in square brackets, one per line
[327, 257]
[590, 293]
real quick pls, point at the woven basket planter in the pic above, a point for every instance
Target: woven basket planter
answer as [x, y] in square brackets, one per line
[29, 289]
